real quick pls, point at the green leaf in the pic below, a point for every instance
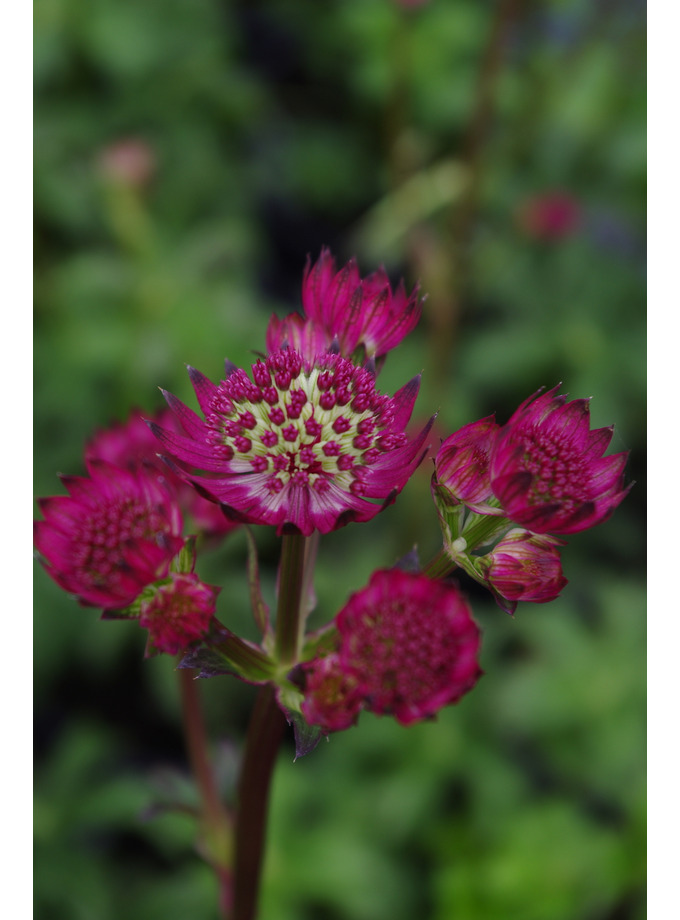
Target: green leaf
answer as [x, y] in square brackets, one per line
[260, 608]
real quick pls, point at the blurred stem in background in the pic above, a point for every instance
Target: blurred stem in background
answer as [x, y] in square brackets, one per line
[215, 840]
[439, 257]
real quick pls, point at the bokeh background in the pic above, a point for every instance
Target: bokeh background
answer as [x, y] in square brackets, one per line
[189, 155]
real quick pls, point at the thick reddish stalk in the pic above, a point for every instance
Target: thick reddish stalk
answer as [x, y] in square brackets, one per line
[262, 743]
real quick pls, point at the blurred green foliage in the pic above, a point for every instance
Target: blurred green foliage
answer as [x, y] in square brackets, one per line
[251, 135]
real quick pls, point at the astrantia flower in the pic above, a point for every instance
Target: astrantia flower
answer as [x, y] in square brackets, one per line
[132, 444]
[332, 698]
[114, 534]
[524, 566]
[178, 613]
[552, 216]
[547, 467]
[346, 312]
[410, 644]
[302, 446]
[462, 465]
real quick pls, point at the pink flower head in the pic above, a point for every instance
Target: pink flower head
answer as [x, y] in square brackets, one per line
[112, 536]
[547, 468]
[525, 566]
[345, 312]
[303, 446]
[410, 643]
[132, 444]
[462, 465]
[552, 216]
[178, 613]
[332, 699]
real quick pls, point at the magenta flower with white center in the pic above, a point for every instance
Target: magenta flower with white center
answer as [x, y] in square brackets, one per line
[178, 613]
[410, 644]
[524, 566]
[131, 445]
[547, 468]
[345, 311]
[303, 446]
[112, 536]
[332, 698]
[462, 465]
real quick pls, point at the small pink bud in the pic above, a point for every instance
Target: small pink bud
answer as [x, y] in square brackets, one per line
[462, 465]
[525, 566]
[178, 613]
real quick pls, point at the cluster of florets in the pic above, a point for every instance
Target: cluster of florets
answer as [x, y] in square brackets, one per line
[114, 540]
[545, 471]
[407, 646]
[307, 443]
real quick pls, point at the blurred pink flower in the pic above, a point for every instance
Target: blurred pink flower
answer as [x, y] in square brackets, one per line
[178, 613]
[409, 644]
[551, 216]
[130, 161]
[112, 536]
[332, 698]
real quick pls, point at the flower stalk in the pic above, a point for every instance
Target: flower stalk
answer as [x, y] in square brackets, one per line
[216, 823]
[262, 743]
[291, 581]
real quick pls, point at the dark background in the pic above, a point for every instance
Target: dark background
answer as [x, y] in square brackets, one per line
[189, 154]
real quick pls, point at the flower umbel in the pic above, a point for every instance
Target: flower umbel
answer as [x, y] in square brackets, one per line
[178, 613]
[112, 536]
[303, 445]
[407, 646]
[347, 312]
[547, 468]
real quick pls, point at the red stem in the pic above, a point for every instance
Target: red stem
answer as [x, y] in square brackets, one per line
[262, 743]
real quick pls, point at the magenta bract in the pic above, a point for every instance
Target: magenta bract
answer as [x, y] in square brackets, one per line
[462, 465]
[112, 536]
[131, 444]
[410, 644]
[547, 468]
[301, 446]
[345, 312]
[178, 613]
[525, 566]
